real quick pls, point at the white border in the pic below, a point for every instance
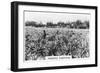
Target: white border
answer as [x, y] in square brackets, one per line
[48, 63]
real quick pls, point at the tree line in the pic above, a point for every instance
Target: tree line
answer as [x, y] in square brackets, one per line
[76, 24]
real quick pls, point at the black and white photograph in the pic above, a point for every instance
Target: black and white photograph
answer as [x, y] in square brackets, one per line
[52, 36]
[56, 35]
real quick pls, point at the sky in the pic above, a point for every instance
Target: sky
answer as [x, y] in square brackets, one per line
[45, 17]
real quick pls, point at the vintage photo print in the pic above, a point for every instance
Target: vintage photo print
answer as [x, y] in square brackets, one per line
[54, 35]
[50, 36]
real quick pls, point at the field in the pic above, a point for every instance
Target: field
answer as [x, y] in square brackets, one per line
[43, 41]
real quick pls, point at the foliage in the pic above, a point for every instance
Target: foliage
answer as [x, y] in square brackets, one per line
[42, 43]
[76, 24]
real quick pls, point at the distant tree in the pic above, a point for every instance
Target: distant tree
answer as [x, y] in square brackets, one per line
[73, 25]
[30, 23]
[60, 24]
[78, 22]
[67, 24]
[49, 24]
[87, 24]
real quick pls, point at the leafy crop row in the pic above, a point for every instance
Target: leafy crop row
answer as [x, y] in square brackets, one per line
[42, 43]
